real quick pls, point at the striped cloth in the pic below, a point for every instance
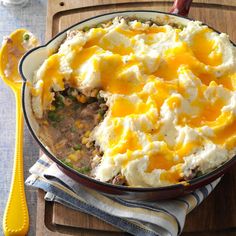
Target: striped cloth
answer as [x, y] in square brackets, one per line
[162, 218]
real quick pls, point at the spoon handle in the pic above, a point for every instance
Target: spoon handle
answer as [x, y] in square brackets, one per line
[16, 218]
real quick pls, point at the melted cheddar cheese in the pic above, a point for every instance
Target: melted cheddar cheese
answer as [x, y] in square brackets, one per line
[170, 93]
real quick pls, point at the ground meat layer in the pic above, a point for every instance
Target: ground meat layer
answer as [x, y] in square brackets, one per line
[66, 129]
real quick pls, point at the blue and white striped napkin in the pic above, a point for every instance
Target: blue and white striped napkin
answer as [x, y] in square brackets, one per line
[162, 218]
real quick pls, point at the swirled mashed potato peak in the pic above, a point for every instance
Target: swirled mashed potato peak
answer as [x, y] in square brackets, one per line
[170, 92]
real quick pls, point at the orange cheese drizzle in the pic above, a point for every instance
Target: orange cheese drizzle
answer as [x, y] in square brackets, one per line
[113, 79]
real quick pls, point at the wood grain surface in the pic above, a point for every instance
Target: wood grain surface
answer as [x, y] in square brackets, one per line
[217, 214]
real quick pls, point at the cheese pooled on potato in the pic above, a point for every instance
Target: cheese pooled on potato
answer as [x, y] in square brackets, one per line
[170, 92]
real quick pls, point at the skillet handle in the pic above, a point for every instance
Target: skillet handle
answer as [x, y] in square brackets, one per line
[181, 7]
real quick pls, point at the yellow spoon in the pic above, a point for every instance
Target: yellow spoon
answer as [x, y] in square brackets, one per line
[16, 218]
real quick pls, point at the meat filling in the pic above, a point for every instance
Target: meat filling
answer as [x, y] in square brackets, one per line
[66, 128]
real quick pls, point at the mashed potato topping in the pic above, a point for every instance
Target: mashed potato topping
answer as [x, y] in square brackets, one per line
[170, 94]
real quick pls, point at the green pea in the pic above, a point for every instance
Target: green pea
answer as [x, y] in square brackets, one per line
[67, 163]
[86, 29]
[59, 105]
[59, 102]
[142, 20]
[26, 36]
[59, 98]
[77, 147]
[73, 129]
[101, 112]
[84, 169]
[99, 25]
[72, 97]
[72, 92]
[54, 117]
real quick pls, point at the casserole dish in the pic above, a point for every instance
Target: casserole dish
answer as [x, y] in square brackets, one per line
[39, 55]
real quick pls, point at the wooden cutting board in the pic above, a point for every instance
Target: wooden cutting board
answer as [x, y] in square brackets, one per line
[217, 214]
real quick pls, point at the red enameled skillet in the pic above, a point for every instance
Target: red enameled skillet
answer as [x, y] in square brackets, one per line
[32, 60]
